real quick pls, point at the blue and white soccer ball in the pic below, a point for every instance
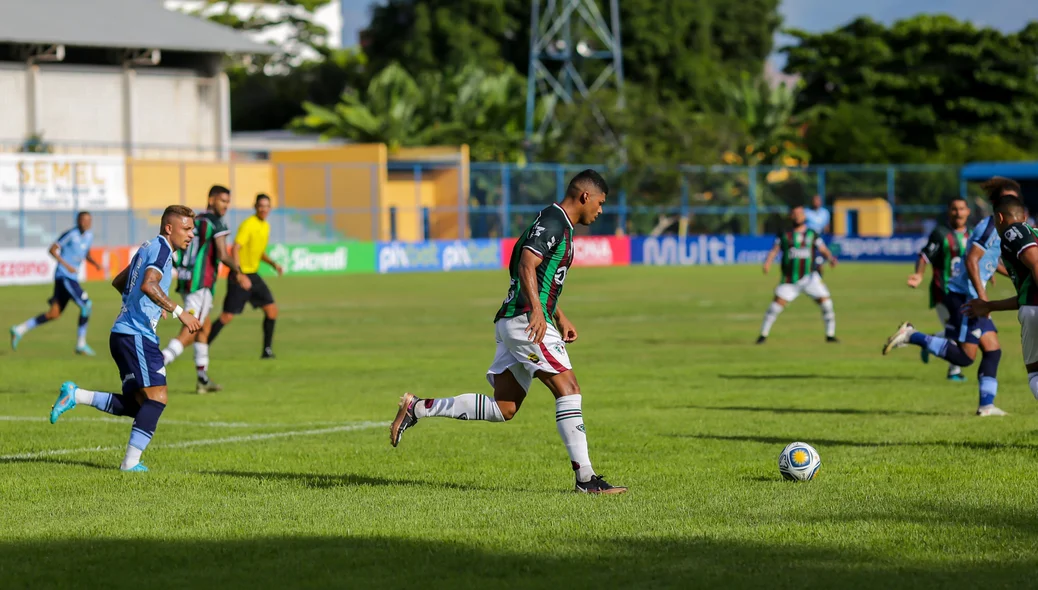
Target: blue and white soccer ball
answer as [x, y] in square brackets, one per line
[799, 462]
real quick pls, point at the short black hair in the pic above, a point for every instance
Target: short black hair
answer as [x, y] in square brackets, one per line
[218, 189]
[954, 200]
[1011, 206]
[585, 180]
[81, 215]
[260, 197]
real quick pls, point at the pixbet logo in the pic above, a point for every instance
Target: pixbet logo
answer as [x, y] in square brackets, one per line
[460, 254]
[408, 257]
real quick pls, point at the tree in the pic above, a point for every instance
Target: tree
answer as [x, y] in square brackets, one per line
[304, 37]
[472, 106]
[925, 77]
[676, 47]
[766, 116]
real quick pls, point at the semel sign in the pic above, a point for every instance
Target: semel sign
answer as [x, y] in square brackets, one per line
[587, 251]
[29, 266]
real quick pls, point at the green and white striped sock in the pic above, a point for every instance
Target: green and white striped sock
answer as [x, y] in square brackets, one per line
[570, 422]
[467, 406]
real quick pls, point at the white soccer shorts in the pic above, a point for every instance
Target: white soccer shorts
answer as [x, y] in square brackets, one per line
[199, 303]
[1028, 317]
[812, 285]
[515, 352]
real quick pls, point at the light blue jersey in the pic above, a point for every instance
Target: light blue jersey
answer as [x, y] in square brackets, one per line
[75, 245]
[985, 236]
[139, 315]
[817, 219]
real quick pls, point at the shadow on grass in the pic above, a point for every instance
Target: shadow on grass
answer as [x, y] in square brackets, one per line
[834, 411]
[325, 480]
[819, 442]
[62, 461]
[812, 376]
[381, 562]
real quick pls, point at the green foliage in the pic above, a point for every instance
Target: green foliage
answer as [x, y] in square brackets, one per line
[471, 105]
[926, 77]
[853, 133]
[766, 116]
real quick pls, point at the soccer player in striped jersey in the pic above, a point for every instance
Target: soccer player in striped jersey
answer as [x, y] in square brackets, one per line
[1020, 256]
[944, 252]
[799, 248]
[532, 333]
[70, 250]
[197, 270]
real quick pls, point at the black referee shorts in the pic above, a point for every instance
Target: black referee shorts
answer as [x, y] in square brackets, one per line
[258, 296]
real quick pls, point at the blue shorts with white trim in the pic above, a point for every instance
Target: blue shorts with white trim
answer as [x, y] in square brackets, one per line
[139, 360]
[66, 290]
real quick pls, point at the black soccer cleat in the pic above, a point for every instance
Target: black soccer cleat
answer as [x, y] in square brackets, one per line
[762, 339]
[597, 485]
[268, 353]
[832, 339]
[405, 418]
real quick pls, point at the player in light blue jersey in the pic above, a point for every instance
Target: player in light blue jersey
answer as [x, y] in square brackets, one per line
[70, 250]
[144, 285]
[964, 334]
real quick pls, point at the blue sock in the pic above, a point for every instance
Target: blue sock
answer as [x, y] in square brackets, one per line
[34, 322]
[941, 347]
[117, 404]
[919, 339]
[81, 332]
[987, 376]
[145, 423]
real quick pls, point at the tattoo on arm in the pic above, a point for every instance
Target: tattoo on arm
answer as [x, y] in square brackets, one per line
[153, 290]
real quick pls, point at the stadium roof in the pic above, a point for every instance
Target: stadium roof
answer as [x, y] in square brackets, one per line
[124, 24]
[985, 170]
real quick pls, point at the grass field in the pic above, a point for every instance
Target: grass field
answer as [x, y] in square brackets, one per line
[287, 478]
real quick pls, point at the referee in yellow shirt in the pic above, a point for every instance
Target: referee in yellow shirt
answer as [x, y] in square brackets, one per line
[250, 248]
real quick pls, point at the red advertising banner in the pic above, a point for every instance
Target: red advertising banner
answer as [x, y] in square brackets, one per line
[587, 251]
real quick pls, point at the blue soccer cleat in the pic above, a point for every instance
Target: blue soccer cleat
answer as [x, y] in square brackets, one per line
[66, 401]
[16, 337]
[85, 350]
[137, 468]
[958, 378]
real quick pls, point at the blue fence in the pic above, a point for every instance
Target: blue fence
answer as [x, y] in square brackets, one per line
[502, 198]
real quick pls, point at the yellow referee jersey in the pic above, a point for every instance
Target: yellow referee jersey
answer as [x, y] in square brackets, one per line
[252, 236]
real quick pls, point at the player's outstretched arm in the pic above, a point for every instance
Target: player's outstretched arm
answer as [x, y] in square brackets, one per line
[276, 266]
[826, 252]
[55, 252]
[770, 258]
[973, 268]
[119, 282]
[151, 287]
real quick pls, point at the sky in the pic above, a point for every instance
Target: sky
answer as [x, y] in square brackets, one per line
[820, 15]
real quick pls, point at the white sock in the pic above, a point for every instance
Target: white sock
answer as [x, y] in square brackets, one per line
[829, 318]
[467, 406]
[132, 458]
[769, 318]
[201, 356]
[172, 351]
[1032, 378]
[954, 369]
[569, 421]
[84, 396]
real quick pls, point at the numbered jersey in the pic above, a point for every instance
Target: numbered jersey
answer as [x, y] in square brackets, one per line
[944, 252]
[551, 238]
[799, 250]
[985, 237]
[140, 315]
[199, 265]
[1017, 238]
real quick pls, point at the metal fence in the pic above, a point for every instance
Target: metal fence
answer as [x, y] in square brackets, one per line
[332, 202]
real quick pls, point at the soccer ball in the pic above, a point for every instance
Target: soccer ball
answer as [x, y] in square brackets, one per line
[799, 462]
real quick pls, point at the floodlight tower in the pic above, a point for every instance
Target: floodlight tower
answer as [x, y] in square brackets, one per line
[570, 41]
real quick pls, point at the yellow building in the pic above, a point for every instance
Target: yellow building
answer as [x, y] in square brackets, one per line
[863, 216]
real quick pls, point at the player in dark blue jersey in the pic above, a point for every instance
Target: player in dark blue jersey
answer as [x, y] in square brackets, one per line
[144, 285]
[70, 250]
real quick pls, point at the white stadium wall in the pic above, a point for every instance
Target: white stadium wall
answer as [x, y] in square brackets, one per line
[81, 103]
[177, 108]
[13, 122]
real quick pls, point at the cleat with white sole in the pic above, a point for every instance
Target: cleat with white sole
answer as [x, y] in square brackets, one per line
[899, 338]
[991, 411]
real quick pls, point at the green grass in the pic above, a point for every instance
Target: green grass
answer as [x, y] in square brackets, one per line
[679, 404]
